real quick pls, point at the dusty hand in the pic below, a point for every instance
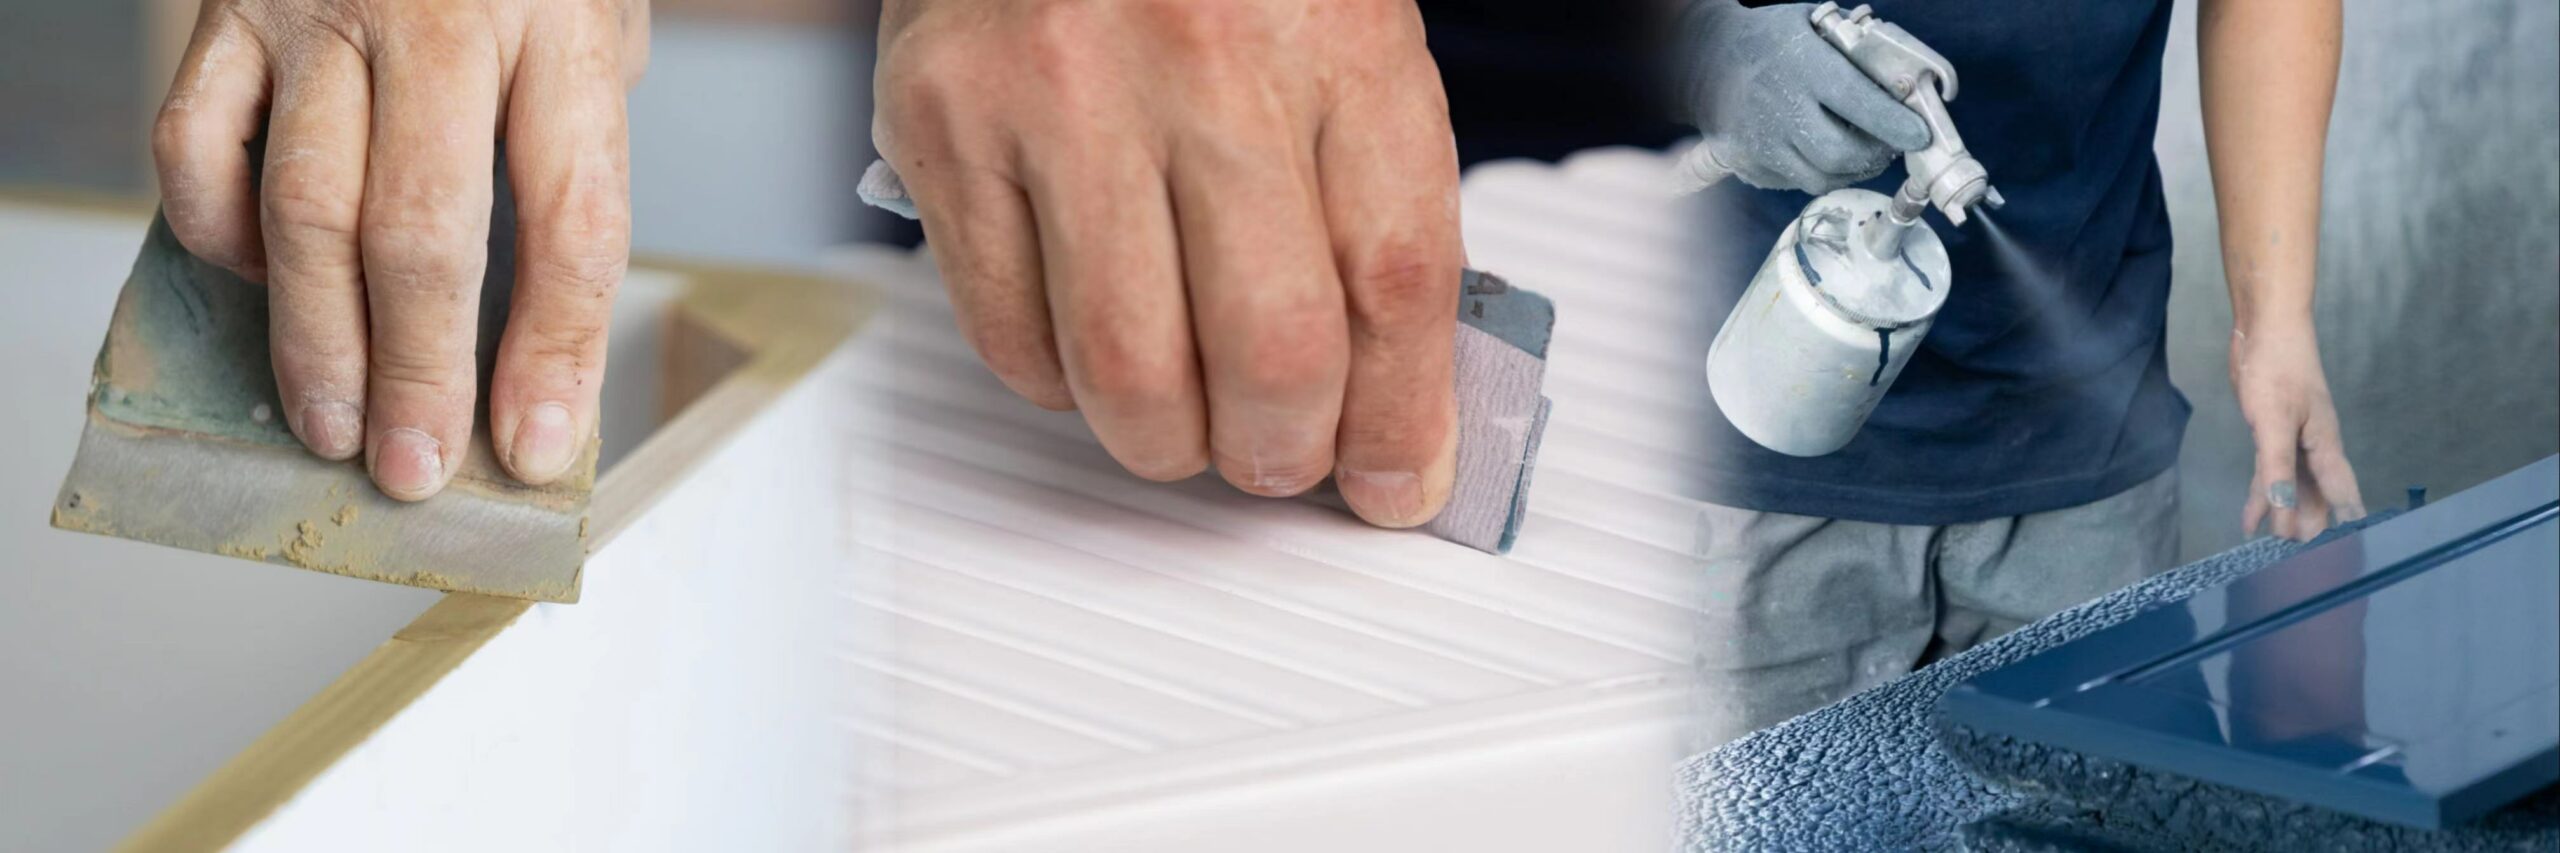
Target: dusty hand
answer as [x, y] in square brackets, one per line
[1783, 109]
[369, 226]
[1225, 230]
[2275, 369]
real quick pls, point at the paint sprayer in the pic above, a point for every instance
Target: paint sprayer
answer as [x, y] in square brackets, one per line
[1852, 284]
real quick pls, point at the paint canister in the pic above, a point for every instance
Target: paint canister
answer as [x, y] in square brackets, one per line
[1827, 324]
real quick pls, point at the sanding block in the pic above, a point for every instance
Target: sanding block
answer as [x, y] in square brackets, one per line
[186, 445]
[1501, 372]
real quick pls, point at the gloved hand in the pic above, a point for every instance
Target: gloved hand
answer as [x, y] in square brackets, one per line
[1783, 109]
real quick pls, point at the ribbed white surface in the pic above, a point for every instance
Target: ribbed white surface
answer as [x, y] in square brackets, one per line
[1036, 632]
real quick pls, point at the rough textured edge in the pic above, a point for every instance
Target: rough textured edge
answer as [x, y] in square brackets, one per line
[1520, 487]
[787, 342]
[2090, 800]
[1868, 773]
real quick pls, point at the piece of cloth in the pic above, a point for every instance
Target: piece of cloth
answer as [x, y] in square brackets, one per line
[1868, 772]
[2043, 383]
[1800, 612]
[1501, 367]
[882, 188]
[1781, 107]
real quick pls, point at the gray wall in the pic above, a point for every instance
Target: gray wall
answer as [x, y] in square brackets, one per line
[2439, 301]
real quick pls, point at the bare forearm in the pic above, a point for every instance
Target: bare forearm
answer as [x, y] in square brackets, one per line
[2269, 71]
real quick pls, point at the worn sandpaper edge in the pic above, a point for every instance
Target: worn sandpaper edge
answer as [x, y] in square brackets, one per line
[1521, 318]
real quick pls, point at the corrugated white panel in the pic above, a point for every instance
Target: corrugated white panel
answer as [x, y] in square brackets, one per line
[1042, 633]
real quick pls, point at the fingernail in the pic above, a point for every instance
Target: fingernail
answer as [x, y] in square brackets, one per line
[2280, 494]
[1264, 477]
[409, 465]
[1386, 498]
[545, 443]
[332, 429]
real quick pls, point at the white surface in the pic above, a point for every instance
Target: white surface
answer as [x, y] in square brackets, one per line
[1056, 655]
[135, 670]
[682, 704]
[132, 670]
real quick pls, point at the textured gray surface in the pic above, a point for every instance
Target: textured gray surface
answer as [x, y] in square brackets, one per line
[2439, 304]
[1867, 772]
[2086, 802]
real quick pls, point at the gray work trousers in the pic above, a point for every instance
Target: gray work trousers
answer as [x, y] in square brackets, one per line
[1800, 612]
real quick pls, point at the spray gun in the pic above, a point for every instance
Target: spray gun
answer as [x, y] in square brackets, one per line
[1845, 296]
[1943, 174]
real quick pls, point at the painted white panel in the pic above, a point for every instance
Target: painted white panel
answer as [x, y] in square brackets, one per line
[133, 670]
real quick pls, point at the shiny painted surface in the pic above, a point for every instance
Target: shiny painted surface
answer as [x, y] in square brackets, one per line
[2409, 672]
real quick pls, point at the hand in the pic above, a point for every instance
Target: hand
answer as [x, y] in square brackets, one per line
[370, 224]
[1783, 109]
[1225, 230]
[2275, 369]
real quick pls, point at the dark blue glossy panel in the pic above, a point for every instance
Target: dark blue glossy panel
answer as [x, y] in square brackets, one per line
[2409, 672]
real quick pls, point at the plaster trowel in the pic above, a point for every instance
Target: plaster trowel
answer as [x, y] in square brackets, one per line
[186, 445]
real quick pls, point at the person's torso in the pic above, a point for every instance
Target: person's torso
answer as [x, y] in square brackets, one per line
[2042, 382]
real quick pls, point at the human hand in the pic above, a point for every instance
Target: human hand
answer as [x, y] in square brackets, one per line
[2275, 370]
[1227, 232]
[370, 221]
[1783, 109]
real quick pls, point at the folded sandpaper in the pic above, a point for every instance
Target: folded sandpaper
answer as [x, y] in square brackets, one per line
[1501, 372]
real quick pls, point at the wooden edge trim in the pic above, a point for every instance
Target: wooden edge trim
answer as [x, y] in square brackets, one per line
[81, 201]
[787, 321]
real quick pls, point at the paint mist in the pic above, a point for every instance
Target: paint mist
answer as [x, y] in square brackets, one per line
[2031, 280]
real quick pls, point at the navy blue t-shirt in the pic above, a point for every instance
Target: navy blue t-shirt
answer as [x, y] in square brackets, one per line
[2035, 389]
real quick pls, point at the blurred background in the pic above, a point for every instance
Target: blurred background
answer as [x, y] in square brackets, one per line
[2440, 263]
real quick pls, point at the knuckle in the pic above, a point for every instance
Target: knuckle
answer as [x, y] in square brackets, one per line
[1127, 377]
[1020, 354]
[298, 208]
[412, 247]
[1290, 361]
[552, 343]
[928, 81]
[1195, 29]
[1063, 35]
[586, 274]
[1403, 286]
[171, 135]
[423, 372]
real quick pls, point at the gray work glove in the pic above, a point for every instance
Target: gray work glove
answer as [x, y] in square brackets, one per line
[1781, 108]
